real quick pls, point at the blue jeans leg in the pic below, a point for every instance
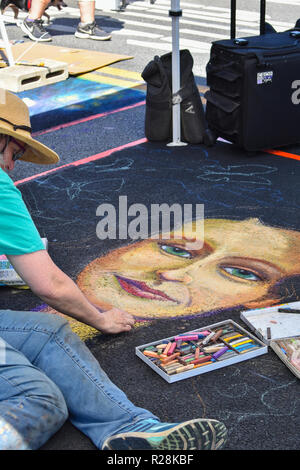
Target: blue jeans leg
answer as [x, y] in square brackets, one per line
[32, 408]
[96, 406]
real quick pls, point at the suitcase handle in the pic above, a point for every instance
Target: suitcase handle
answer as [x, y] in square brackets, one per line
[233, 18]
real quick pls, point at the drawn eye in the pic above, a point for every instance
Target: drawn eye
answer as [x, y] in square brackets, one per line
[176, 251]
[242, 273]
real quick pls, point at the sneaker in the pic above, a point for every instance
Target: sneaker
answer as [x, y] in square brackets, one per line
[91, 31]
[197, 434]
[35, 30]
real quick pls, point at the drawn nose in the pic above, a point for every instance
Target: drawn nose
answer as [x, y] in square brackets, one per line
[179, 275]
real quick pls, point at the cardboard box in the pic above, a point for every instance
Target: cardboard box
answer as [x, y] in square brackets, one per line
[279, 330]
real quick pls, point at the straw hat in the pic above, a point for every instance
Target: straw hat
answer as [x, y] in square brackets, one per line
[15, 121]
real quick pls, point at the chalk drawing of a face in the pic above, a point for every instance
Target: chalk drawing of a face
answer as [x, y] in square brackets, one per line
[238, 264]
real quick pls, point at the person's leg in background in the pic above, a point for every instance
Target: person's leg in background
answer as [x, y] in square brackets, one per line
[33, 24]
[32, 408]
[96, 406]
[88, 28]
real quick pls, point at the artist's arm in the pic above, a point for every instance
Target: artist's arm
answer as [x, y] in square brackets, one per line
[55, 288]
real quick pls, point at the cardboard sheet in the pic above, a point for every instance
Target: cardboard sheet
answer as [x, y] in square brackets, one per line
[283, 329]
[78, 60]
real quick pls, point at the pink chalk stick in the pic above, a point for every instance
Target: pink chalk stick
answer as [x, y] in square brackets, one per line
[187, 338]
[172, 348]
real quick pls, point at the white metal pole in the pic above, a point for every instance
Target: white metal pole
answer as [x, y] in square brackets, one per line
[6, 43]
[175, 14]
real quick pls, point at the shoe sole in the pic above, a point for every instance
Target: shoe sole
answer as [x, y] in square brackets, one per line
[33, 38]
[87, 36]
[197, 434]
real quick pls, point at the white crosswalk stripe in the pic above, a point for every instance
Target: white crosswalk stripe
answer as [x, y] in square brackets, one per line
[146, 25]
[199, 25]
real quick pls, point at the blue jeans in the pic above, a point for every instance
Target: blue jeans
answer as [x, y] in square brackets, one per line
[47, 374]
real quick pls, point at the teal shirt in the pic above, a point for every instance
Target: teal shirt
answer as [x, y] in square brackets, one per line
[18, 234]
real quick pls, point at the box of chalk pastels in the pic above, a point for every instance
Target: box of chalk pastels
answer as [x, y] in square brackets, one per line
[202, 350]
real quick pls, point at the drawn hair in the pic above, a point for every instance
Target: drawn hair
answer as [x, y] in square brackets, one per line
[286, 289]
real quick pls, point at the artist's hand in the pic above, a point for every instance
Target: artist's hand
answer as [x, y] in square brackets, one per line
[7, 152]
[115, 321]
[60, 292]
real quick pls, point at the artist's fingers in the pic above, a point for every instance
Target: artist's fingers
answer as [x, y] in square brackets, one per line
[124, 316]
[126, 320]
[130, 320]
[127, 328]
[115, 321]
[3, 142]
[8, 162]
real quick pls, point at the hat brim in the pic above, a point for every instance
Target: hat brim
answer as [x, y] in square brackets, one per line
[35, 151]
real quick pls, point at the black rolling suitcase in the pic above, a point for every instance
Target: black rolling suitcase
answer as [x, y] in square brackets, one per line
[254, 95]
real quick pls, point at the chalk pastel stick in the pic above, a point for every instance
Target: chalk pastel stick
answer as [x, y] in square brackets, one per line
[169, 364]
[289, 310]
[167, 348]
[217, 335]
[186, 338]
[208, 338]
[202, 359]
[187, 356]
[184, 368]
[219, 353]
[234, 345]
[236, 341]
[171, 349]
[150, 354]
[245, 347]
[228, 338]
[170, 358]
[198, 333]
[245, 350]
[175, 364]
[229, 354]
[203, 364]
[214, 348]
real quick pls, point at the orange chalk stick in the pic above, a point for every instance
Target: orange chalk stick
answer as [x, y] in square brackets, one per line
[167, 348]
[170, 358]
[203, 364]
[150, 354]
[197, 351]
[171, 363]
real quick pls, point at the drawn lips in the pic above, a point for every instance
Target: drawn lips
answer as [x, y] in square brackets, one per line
[140, 289]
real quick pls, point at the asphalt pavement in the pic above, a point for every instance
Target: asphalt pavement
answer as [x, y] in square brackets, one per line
[139, 31]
